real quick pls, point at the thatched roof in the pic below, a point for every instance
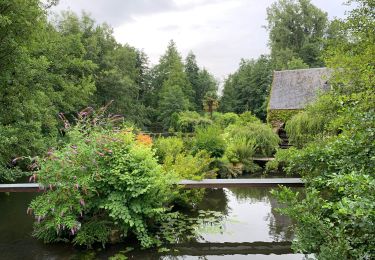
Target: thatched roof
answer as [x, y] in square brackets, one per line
[294, 89]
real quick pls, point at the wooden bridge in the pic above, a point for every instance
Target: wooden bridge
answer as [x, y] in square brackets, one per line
[189, 184]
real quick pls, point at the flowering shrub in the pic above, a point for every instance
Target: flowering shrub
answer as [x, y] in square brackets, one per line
[144, 139]
[101, 186]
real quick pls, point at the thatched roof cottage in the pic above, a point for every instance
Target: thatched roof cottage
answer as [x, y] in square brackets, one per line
[292, 90]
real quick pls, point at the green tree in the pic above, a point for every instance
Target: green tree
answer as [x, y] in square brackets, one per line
[296, 30]
[173, 100]
[42, 73]
[247, 88]
[192, 73]
[334, 220]
[170, 69]
[119, 68]
[200, 79]
[169, 76]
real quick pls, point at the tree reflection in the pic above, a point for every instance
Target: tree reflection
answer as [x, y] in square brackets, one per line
[280, 226]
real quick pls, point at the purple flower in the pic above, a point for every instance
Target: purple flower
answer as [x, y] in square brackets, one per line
[76, 186]
[82, 202]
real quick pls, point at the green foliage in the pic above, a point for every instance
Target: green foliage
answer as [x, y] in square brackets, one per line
[335, 216]
[188, 121]
[260, 135]
[278, 117]
[201, 80]
[296, 63]
[176, 159]
[302, 128]
[209, 139]
[168, 146]
[240, 149]
[247, 88]
[225, 119]
[187, 166]
[350, 52]
[335, 219]
[173, 92]
[296, 30]
[240, 152]
[172, 101]
[99, 184]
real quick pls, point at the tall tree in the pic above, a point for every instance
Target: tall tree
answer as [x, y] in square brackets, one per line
[171, 69]
[296, 30]
[247, 88]
[200, 79]
[119, 69]
[169, 75]
[43, 72]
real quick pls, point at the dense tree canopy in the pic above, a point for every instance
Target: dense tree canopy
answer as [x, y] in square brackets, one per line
[200, 79]
[296, 30]
[69, 62]
[247, 88]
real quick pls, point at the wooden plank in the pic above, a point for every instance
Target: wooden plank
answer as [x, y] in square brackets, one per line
[21, 187]
[263, 159]
[206, 183]
[245, 248]
[228, 183]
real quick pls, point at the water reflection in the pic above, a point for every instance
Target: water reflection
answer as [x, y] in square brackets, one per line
[250, 217]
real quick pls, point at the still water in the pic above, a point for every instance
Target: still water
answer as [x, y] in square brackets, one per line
[251, 229]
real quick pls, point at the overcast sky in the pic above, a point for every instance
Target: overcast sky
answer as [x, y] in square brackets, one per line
[219, 32]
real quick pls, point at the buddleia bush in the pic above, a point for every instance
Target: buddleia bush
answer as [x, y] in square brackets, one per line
[103, 185]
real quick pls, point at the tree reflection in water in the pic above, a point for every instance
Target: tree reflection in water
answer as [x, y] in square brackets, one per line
[280, 226]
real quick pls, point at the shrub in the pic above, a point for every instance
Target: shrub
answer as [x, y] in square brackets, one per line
[264, 139]
[240, 150]
[225, 119]
[239, 154]
[168, 146]
[188, 121]
[336, 214]
[187, 166]
[248, 117]
[99, 185]
[209, 139]
[313, 123]
[190, 167]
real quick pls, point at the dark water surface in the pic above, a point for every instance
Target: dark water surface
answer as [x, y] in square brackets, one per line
[251, 230]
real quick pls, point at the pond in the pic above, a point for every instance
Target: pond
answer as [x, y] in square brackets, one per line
[251, 229]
